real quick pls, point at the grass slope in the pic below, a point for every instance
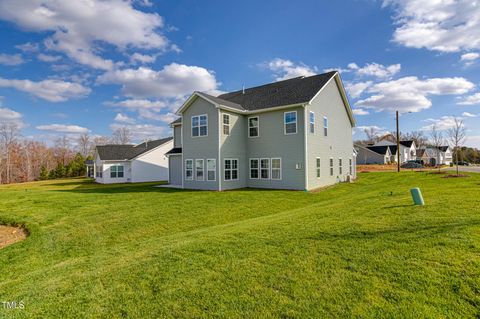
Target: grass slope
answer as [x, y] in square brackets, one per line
[353, 250]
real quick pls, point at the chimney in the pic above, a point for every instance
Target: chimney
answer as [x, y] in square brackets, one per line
[243, 89]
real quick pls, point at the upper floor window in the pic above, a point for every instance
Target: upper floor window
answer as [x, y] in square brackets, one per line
[290, 122]
[199, 125]
[312, 122]
[116, 171]
[253, 126]
[226, 124]
[325, 126]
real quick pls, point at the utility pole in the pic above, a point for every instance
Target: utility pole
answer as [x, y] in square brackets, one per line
[398, 146]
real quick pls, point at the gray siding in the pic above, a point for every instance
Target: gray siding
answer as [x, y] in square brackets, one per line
[234, 146]
[365, 156]
[204, 147]
[338, 144]
[272, 143]
[175, 169]
[177, 136]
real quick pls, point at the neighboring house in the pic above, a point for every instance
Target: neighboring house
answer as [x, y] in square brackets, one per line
[145, 162]
[435, 156]
[408, 149]
[292, 134]
[373, 154]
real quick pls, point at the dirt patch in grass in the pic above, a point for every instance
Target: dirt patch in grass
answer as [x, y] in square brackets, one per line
[10, 235]
[455, 175]
[438, 173]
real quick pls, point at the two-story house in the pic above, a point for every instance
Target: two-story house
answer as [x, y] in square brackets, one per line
[292, 134]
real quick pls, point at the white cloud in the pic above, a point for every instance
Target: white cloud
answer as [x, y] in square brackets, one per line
[376, 70]
[410, 94]
[442, 124]
[80, 27]
[142, 58]
[359, 131]
[470, 100]
[48, 58]
[174, 80]
[124, 118]
[141, 132]
[445, 26]
[11, 59]
[355, 90]
[28, 47]
[137, 104]
[473, 141]
[155, 116]
[61, 128]
[10, 116]
[286, 69]
[467, 114]
[470, 56]
[50, 90]
[360, 112]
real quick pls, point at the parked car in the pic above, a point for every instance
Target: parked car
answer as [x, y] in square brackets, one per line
[411, 164]
[462, 163]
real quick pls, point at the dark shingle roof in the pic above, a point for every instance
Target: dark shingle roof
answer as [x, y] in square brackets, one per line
[175, 150]
[407, 143]
[114, 152]
[293, 91]
[222, 101]
[380, 149]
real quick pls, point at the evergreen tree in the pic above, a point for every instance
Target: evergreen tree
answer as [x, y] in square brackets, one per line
[60, 170]
[51, 174]
[43, 173]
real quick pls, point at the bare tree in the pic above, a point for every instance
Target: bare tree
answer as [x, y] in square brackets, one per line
[457, 135]
[84, 144]
[9, 133]
[121, 135]
[372, 134]
[437, 141]
[62, 149]
[417, 136]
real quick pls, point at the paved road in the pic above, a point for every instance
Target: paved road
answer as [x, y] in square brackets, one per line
[470, 169]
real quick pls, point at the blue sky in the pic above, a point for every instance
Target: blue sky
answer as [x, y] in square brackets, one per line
[71, 67]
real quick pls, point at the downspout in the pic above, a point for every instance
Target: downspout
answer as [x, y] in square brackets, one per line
[305, 145]
[219, 154]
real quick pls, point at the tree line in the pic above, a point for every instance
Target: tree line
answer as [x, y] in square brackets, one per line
[24, 160]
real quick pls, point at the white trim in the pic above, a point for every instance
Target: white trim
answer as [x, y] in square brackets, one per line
[258, 126]
[270, 109]
[250, 168]
[237, 169]
[223, 123]
[215, 170]
[193, 170]
[285, 124]
[268, 168]
[183, 162]
[153, 149]
[199, 126]
[219, 154]
[203, 170]
[305, 146]
[271, 169]
[325, 127]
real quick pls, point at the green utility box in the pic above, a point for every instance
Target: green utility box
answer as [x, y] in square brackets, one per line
[417, 196]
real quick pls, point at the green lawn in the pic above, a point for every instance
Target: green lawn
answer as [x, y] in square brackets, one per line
[353, 250]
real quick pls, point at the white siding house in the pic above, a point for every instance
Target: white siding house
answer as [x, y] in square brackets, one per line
[145, 162]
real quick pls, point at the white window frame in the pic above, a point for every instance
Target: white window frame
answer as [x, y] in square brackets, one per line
[325, 126]
[340, 166]
[332, 167]
[318, 166]
[279, 169]
[199, 126]
[311, 126]
[257, 169]
[116, 170]
[197, 160]
[225, 115]
[285, 122]
[258, 126]
[268, 168]
[230, 169]
[186, 168]
[214, 170]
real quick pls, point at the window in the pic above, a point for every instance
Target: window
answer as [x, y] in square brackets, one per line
[318, 162]
[189, 169]
[325, 126]
[99, 171]
[199, 170]
[331, 166]
[231, 170]
[116, 171]
[350, 167]
[253, 126]
[340, 166]
[254, 168]
[312, 122]
[226, 124]
[290, 122]
[211, 169]
[199, 125]
[276, 168]
[265, 168]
